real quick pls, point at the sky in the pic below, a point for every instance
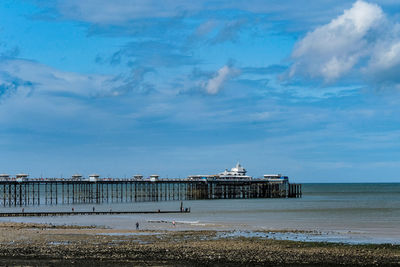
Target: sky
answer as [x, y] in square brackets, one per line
[306, 88]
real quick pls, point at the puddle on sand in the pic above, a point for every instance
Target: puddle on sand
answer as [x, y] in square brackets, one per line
[58, 243]
[130, 234]
[304, 237]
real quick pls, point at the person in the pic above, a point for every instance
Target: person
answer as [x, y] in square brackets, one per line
[173, 223]
[73, 209]
[137, 225]
[23, 210]
[93, 209]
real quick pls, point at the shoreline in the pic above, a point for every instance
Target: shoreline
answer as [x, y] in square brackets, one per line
[62, 244]
[124, 223]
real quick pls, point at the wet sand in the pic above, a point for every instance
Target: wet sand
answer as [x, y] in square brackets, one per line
[49, 245]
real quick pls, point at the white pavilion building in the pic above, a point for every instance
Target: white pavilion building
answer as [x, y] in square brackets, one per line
[236, 173]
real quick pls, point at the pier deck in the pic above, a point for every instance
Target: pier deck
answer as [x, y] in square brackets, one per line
[66, 191]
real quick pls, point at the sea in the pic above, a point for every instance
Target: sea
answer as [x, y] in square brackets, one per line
[366, 213]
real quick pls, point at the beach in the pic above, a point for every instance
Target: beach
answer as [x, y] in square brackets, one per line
[333, 225]
[62, 245]
[341, 213]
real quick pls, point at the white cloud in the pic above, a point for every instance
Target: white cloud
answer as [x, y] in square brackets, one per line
[100, 11]
[48, 80]
[332, 50]
[384, 63]
[215, 84]
[122, 11]
[362, 43]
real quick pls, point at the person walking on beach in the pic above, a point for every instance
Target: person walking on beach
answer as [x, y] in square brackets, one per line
[93, 209]
[73, 209]
[173, 223]
[137, 225]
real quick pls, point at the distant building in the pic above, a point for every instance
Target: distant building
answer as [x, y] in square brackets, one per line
[76, 177]
[154, 177]
[204, 177]
[94, 177]
[21, 177]
[138, 177]
[236, 173]
[4, 177]
[276, 178]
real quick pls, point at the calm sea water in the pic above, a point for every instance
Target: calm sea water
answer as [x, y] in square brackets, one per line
[366, 213]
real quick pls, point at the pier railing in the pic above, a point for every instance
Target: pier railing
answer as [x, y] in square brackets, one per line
[63, 191]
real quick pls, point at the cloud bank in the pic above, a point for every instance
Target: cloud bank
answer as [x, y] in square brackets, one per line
[362, 42]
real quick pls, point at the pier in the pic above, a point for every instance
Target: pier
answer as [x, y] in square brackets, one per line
[54, 191]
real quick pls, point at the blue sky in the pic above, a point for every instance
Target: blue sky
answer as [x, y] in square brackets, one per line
[305, 88]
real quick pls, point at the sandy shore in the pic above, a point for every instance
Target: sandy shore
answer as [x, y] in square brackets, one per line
[37, 244]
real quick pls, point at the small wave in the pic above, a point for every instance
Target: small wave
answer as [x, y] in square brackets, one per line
[188, 222]
[170, 221]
